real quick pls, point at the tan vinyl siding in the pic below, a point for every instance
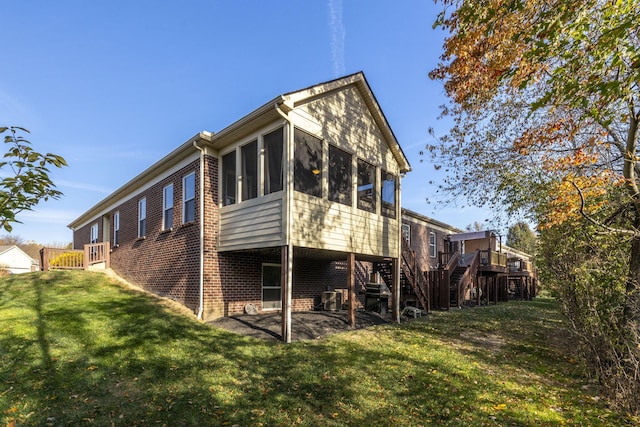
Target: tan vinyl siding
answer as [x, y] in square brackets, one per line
[318, 223]
[252, 224]
[348, 124]
[342, 119]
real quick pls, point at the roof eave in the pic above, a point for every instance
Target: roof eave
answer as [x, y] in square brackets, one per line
[144, 177]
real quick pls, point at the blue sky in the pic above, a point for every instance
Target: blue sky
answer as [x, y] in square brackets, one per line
[113, 86]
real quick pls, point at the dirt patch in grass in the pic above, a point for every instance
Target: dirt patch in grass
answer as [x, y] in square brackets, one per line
[307, 325]
[491, 342]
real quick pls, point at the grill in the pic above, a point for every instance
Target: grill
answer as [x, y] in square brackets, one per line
[377, 297]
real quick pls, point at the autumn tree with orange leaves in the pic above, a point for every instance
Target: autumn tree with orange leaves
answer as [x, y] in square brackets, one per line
[545, 102]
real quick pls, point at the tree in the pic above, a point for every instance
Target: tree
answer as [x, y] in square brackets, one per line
[545, 107]
[522, 238]
[476, 226]
[25, 176]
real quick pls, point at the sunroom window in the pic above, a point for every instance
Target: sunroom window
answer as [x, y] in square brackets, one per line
[249, 157]
[388, 194]
[229, 179]
[339, 176]
[307, 169]
[366, 186]
[273, 161]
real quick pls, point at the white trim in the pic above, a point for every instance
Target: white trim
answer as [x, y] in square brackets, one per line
[142, 215]
[262, 286]
[116, 228]
[184, 196]
[132, 195]
[93, 233]
[433, 245]
[408, 233]
[165, 208]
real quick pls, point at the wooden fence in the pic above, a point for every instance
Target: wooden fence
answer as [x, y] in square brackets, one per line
[93, 256]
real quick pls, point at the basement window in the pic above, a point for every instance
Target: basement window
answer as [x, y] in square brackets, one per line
[271, 287]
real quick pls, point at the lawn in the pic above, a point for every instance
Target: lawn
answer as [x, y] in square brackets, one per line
[78, 348]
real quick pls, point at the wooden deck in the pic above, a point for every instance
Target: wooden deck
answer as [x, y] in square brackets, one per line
[94, 256]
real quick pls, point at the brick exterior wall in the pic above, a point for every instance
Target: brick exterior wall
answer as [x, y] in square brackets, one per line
[164, 262]
[420, 242]
[167, 262]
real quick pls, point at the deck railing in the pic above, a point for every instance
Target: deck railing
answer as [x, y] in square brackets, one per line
[94, 255]
[489, 257]
[519, 265]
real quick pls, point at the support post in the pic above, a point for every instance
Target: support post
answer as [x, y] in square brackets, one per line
[285, 281]
[351, 285]
[395, 292]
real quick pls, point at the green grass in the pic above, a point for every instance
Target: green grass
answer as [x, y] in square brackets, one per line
[77, 348]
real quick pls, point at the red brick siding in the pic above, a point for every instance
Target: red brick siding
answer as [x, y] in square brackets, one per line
[164, 262]
[167, 262]
[420, 243]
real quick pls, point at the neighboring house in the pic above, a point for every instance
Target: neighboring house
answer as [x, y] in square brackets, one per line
[296, 198]
[460, 267]
[15, 261]
[427, 237]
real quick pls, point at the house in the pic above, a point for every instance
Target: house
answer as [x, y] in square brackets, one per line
[295, 199]
[15, 261]
[460, 267]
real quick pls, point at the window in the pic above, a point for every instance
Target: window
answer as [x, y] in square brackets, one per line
[229, 179]
[406, 233]
[339, 176]
[94, 233]
[116, 228]
[307, 169]
[273, 161]
[189, 198]
[271, 287]
[167, 207]
[366, 186]
[432, 244]
[388, 194]
[142, 217]
[249, 157]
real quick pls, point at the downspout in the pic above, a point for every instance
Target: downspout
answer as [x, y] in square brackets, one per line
[290, 130]
[398, 278]
[286, 333]
[201, 281]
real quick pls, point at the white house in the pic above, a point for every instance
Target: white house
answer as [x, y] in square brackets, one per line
[15, 260]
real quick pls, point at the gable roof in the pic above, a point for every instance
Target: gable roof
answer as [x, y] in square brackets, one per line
[8, 248]
[258, 118]
[288, 101]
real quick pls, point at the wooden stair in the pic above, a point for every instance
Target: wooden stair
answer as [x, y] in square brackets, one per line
[412, 278]
[414, 275]
[461, 276]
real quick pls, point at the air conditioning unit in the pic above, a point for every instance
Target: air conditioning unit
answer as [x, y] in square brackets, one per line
[331, 300]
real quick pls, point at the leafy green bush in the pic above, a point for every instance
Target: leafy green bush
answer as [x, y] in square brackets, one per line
[68, 259]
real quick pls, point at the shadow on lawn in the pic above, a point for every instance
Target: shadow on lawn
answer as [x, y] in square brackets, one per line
[107, 356]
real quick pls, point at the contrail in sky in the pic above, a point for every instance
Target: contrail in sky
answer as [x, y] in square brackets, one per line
[337, 32]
